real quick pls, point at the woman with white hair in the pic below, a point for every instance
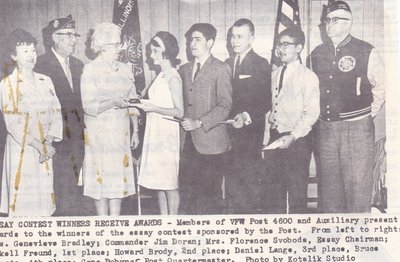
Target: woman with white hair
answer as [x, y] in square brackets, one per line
[107, 85]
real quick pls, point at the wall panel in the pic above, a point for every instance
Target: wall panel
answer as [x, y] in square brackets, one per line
[177, 16]
[160, 9]
[144, 7]
[52, 9]
[264, 17]
[378, 29]
[230, 14]
[243, 8]
[204, 10]
[173, 18]
[82, 28]
[107, 6]
[217, 19]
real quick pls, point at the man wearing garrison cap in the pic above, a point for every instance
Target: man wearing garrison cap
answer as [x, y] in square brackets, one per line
[351, 76]
[60, 39]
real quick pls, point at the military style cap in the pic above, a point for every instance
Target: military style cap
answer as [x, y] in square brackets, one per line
[60, 23]
[337, 5]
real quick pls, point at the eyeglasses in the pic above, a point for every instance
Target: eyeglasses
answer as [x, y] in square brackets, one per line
[116, 44]
[334, 20]
[284, 45]
[70, 35]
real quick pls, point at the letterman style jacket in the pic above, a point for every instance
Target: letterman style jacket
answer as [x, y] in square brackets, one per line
[351, 79]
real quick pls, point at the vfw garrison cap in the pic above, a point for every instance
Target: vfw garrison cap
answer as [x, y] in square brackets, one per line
[337, 5]
[60, 23]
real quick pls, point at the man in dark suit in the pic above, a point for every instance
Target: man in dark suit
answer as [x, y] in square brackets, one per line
[251, 95]
[207, 102]
[65, 71]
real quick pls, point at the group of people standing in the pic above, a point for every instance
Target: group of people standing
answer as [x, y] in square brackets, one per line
[208, 124]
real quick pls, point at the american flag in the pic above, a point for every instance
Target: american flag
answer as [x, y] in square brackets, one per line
[288, 16]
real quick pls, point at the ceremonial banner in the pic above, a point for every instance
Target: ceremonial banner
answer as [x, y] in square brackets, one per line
[126, 16]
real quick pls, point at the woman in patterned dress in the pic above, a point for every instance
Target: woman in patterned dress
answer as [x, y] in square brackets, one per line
[107, 85]
[32, 114]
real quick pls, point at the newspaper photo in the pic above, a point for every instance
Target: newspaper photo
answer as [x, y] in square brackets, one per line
[199, 130]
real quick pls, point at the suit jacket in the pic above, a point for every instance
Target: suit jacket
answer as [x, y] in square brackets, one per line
[251, 93]
[71, 103]
[209, 99]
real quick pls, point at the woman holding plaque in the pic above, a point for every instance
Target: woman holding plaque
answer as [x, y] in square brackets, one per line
[161, 147]
[32, 114]
[107, 85]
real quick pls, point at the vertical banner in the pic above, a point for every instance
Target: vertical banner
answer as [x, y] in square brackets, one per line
[126, 16]
[288, 16]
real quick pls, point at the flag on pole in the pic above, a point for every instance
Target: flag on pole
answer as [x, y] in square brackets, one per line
[288, 16]
[126, 16]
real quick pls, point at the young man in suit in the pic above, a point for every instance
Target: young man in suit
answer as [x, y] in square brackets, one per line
[207, 93]
[65, 71]
[251, 94]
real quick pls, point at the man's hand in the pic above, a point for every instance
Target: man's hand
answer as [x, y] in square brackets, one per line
[190, 124]
[287, 141]
[239, 121]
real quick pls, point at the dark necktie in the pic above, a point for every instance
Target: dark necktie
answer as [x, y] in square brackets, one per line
[237, 67]
[197, 71]
[281, 78]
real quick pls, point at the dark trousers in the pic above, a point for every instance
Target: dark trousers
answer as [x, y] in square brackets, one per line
[243, 183]
[286, 177]
[67, 163]
[200, 180]
[346, 158]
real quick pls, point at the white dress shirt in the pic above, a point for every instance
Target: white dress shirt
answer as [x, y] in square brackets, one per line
[295, 108]
[64, 62]
[202, 60]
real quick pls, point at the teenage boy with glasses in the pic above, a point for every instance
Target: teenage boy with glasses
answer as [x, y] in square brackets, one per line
[295, 108]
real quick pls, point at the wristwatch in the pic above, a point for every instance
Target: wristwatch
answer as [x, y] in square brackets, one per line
[201, 123]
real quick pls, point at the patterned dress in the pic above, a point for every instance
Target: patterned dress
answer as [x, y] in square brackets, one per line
[107, 167]
[31, 111]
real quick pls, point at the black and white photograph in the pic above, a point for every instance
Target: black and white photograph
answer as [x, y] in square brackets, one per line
[119, 117]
